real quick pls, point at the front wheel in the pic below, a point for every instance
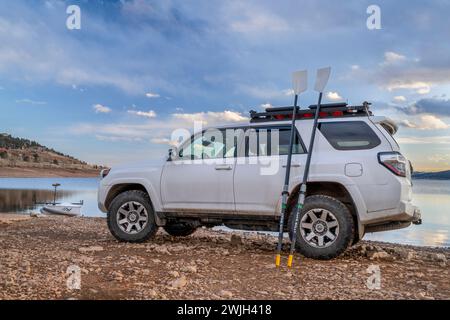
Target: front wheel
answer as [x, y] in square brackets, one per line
[325, 229]
[131, 217]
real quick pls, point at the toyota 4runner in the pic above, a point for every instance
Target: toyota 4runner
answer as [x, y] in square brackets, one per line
[359, 181]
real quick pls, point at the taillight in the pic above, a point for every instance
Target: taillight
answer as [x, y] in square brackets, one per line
[104, 173]
[394, 161]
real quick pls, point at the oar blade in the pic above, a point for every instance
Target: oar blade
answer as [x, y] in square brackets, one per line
[322, 77]
[300, 81]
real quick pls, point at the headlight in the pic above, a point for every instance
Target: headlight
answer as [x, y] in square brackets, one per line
[104, 173]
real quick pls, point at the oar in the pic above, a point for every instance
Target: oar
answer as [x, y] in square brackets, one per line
[321, 81]
[300, 83]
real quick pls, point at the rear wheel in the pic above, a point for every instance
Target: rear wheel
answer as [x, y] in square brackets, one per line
[131, 217]
[179, 229]
[325, 229]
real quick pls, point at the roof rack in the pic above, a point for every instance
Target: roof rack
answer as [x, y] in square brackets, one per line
[329, 110]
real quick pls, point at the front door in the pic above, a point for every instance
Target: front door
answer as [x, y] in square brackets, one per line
[200, 177]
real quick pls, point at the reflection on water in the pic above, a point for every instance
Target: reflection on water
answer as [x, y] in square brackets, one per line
[17, 200]
[432, 196]
[20, 195]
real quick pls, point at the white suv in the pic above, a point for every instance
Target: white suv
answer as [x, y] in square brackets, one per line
[233, 176]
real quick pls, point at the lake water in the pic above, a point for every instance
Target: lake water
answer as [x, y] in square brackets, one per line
[432, 196]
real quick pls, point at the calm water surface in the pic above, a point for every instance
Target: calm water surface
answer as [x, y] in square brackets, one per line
[432, 196]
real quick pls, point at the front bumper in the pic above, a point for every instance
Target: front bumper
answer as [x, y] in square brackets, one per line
[101, 197]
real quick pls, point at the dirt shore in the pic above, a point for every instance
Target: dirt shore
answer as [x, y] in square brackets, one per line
[35, 254]
[16, 172]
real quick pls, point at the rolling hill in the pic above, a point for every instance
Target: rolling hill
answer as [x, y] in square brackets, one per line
[19, 155]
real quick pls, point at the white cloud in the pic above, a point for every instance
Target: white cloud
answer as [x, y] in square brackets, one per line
[440, 158]
[154, 128]
[288, 92]
[257, 21]
[29, 101]
[115, 138]
[429, 122]
[445, 140]
[423, 90]
[265, 106]
[210, 117]
[164, 141]
[265, 92]
[399, 99]
[391, 57]
[407, 123]
[42, 52]
[152, 95]
[419, 87]
[355, 67]
[146, 114]
[101, 109]
[333, 96]
[426, 122]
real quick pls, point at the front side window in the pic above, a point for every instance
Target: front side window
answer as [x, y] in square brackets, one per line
[210, 144]
[349, 135]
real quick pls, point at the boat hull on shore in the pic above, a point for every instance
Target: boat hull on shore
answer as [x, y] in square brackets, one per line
[61, 209]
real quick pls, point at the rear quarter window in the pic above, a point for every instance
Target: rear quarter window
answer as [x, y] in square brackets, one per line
[349, 135]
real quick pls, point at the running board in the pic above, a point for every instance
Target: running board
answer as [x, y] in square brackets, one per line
[217, 215]
[387, 226]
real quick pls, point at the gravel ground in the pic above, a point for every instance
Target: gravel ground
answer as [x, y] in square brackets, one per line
[37, 254]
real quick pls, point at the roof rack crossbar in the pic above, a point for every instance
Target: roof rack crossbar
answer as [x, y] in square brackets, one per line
[329, 105]
[330, 110]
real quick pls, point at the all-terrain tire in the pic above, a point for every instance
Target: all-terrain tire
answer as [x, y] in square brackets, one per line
[344, 237]
[179, 229]
[135, 196]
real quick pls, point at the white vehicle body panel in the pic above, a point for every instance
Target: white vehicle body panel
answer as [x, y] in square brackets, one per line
[198, 186]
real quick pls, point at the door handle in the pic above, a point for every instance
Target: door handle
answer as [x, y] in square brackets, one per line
[224, 167]
[292, 166]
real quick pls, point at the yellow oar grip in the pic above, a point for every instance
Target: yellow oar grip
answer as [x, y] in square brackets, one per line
[291, 257]
[277, 260]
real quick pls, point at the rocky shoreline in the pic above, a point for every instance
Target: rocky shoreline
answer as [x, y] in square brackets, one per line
[41, 258]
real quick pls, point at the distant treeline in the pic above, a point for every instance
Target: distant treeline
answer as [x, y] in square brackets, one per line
[441, 175]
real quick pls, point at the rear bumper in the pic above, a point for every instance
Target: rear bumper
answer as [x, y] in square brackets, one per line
[405, 212]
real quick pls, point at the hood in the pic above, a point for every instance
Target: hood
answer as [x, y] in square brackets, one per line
[152, 163]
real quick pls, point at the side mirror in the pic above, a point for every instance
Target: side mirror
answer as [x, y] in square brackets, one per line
[173, 153]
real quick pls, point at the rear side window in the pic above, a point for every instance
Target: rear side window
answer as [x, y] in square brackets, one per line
[258, 142]
[349, 135]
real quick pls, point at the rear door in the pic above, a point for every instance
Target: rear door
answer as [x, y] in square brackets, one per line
[355, 146]
[261, 167]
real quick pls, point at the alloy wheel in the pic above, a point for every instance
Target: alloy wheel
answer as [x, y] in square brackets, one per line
[319, 228]
[132, 217]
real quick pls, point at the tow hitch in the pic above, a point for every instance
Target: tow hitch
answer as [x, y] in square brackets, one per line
[417, 217]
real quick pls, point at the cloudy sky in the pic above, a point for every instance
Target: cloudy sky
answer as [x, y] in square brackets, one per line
[114, 90]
